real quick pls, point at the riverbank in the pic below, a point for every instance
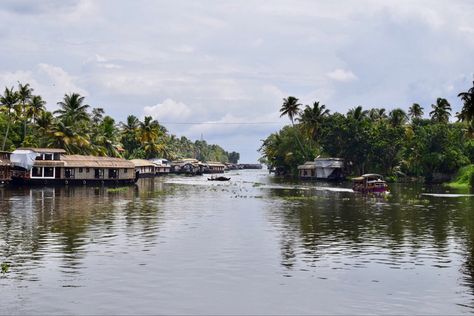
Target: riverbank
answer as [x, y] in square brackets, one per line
[464, 179]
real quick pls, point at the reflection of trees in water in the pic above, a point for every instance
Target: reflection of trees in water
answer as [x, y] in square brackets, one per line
[40, 222]
[319, 224]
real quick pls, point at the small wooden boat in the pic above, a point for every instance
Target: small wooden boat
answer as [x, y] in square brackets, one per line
[218, 179]
[368, 183]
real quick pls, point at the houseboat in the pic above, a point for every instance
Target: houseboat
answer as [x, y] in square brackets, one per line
[322, 169]
[214, 167]
[369, 183]
[5, 168]
[163, 166]
[144, 168]
[52, 166]
[187, 167]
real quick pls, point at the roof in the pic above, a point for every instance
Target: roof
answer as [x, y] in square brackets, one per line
[370, 175]
[307, 165]
[328, 159]
[44, 150]
[142, 163]
[215, 164]
[80, 161]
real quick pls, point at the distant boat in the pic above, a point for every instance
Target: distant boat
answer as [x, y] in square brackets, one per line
[218, 179]
[368, 183]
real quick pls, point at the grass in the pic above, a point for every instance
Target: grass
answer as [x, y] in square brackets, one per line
[116, 190]
[464, 179]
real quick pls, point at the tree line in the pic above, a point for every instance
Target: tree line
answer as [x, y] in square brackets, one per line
[375, 140]
[79, 128]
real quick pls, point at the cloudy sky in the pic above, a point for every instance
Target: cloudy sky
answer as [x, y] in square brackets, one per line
[234, 61]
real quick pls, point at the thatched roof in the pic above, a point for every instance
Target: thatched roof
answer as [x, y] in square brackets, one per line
[215, 164]
[44, 150]
[79, 161]
[142, 163]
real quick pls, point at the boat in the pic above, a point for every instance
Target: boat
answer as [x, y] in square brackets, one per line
[52, 166]
[368, 183]
[221, 178]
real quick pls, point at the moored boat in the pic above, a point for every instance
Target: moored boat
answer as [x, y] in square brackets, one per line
[221, 178]
[368, 183]
[47, 166]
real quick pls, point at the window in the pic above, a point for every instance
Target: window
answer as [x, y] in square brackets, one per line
[80, 170]
[113, 173]
[40, 157]
[37, 172]
[88, 170]
[48, 172]
[125, 170]
[57, 157]
[69, 173]
[48, 156]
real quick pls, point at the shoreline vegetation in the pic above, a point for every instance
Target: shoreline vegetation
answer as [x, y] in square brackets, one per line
[464, 178]
[79, 128]
[399, 144]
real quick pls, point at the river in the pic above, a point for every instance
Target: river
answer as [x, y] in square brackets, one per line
[254, 245]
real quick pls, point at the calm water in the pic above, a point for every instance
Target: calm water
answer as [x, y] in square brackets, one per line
[255, 245]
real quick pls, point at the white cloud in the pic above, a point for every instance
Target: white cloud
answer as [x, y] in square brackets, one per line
[169, 111]
[342, 75]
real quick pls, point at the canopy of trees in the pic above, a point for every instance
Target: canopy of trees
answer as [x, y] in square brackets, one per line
[80, 129]
[374, 140]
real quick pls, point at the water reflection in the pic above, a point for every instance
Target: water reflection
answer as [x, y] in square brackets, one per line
[202, 238]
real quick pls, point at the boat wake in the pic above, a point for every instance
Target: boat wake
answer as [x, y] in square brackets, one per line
[449, 195]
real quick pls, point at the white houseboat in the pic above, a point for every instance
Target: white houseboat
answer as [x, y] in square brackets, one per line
[53, 166]
[323, 169]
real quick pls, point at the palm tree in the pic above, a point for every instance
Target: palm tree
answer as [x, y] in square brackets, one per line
[8, 102]
[291, 108]
[312, 117]
[441, 111]
[64, 136]
[24, 94]
[397, 117]
[72, 109]
[467, 112]
[358, 113]
[36, 107]
[377, 115]
[148, 131]
[44, 122]
[415, 111]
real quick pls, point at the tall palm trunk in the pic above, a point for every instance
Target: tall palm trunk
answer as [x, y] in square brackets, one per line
[6, 133]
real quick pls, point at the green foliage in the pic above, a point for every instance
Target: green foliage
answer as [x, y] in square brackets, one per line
[5, 267]
[372, 141]
[465, 178]
[75, 127]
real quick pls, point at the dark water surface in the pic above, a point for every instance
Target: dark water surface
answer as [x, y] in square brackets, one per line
[255, 245]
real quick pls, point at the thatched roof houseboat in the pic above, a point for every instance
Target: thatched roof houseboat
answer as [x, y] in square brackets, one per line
[163, 166]
[53, 166]
[5, 168]
[188, 167]
[214, 167]
[144, 168]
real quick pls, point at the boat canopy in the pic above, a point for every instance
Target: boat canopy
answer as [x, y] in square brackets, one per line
[24, 158]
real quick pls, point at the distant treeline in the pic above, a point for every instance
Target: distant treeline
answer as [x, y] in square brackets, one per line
[80, 129]
[375, 140]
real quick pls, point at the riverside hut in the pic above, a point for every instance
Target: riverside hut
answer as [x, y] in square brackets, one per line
[53, 166]
[5, 168]
[144, 168]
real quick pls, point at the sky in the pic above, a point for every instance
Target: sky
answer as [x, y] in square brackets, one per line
[227, 65]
